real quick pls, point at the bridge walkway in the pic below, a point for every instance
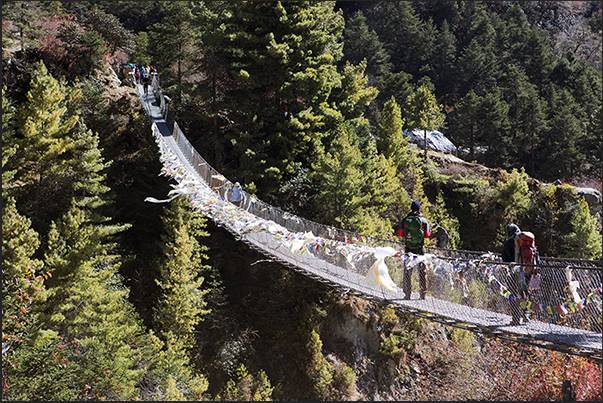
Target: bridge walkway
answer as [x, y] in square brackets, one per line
[494, 324]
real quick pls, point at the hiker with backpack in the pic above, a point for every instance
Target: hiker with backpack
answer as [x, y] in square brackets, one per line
[414, 228]
[520, 248]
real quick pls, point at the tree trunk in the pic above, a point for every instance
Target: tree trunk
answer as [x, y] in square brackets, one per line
[425, 133]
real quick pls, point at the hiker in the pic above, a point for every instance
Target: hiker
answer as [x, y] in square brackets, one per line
[236, 196]
[414, 228]
[514, 250]
[137, 75]
[145, 83]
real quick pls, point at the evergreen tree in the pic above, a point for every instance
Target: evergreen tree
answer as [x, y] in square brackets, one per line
[494, 125]
[390, 138]
[584, 242]
[408, 39]
[182, 305]
[513, 196]
[354, 95]
[211, 40]
[361, 42]
[465, 130]
[9, 147]
[560, 142]
[338, 175]
[171, 43]
[279, 67]
[478, 62]
[563, 221]
[443, 64]
[44, 124]
[22, 290]
[527, 119]
[423, 112]
[354, 187]
[247, 387]
[593, 143]
[112, 31]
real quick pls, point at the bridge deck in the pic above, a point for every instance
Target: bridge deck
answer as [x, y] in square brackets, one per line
[475, 319]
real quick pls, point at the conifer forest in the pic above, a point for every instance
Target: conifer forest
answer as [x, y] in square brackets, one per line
[308, 105]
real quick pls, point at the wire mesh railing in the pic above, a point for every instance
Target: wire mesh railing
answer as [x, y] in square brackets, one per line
[568, 293]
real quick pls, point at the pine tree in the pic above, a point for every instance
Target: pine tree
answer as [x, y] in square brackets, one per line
[423, 112]
[408, 39]
[112, 31]
[279, 62]
[361, 42]
[44, 123]
[182, 305]
[585, 240]
[494, 125]
[527, 119]
[561, 139]
[338, 175]
[478, 62]
[389, 132]
[171, 43]
[22, 290]
[466, 124]
[444, 64]
[9, 147]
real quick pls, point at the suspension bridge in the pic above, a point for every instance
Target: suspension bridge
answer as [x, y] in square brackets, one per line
[465, 289]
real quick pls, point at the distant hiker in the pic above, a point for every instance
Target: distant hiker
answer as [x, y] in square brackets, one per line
[519, 248]
[137, 75]
[145, 83]
[237, 194]
[414, 229]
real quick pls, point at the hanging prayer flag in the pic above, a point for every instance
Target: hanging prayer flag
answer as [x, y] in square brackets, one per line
[534, 282]
[378, 274]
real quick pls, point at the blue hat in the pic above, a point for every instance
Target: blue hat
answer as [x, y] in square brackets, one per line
[415, 206]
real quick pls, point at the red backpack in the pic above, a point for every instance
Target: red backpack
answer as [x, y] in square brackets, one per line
[526, 250]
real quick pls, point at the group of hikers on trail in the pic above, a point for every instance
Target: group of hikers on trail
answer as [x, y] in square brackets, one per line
[142, 75]
[518, 248]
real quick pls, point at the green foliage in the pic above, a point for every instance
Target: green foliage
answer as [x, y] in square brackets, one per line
[584, 242]
[354, 191]
[44, 123]
[247, 387]
[22, 291]
[84, 50]
[391, 346]
[182, 304]
[423, 112]
[112, 31]
[9, 147]
[563, 223]
[319, 369]
[390, 139]
[362, 43]
[355, 95]
[513, 195]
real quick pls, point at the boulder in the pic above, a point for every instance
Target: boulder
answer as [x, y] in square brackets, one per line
[592, 197]
[435, 140]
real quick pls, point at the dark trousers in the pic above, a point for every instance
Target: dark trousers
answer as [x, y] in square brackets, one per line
[407, 279]
[518, 288]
